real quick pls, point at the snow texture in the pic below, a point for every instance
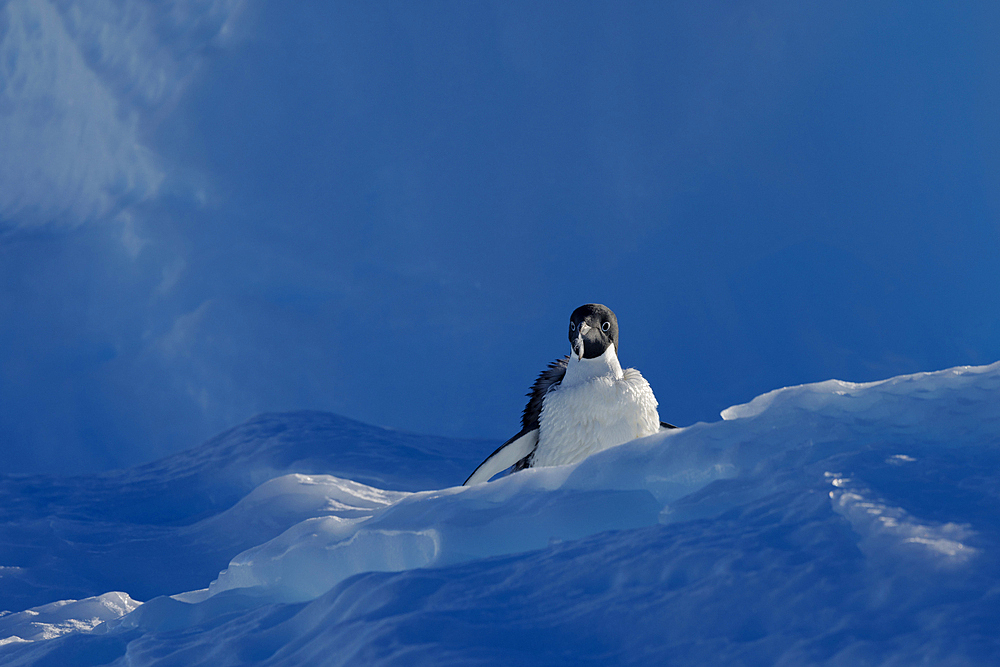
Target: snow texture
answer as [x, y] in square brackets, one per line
[172, 525]
[58, 618]
[832, 523]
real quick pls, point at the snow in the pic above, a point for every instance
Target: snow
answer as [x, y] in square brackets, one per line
[832, 523]
[58, 618]
[161, 529]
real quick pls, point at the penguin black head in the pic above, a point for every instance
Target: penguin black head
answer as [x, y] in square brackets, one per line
[593, 328]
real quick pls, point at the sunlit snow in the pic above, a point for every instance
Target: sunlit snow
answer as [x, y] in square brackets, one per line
[832, 523]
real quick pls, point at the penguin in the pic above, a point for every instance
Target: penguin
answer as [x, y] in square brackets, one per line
[581, 404]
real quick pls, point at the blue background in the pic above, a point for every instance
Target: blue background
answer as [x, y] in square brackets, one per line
[389, 210]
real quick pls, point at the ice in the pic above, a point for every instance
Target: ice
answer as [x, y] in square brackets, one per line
[835, 523]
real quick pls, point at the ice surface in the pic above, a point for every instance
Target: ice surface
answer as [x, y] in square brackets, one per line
[833, 523]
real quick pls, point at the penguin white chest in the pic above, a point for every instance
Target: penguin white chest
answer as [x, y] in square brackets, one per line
[585, 417]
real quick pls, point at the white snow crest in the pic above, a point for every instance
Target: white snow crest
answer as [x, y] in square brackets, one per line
[907, 401]
[60, 618]
[323, 549]
[890, 533]
[316, 554]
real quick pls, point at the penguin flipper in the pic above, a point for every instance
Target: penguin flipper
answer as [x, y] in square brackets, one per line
[509, 453]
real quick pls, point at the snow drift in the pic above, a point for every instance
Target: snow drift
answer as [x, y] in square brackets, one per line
[833, 523]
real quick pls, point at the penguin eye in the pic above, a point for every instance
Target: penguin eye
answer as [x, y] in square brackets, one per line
[605, 326]
[572, 326]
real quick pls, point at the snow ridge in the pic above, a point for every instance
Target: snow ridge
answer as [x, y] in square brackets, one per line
[833, 523]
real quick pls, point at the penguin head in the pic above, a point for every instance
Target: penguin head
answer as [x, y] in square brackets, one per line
[593, 328]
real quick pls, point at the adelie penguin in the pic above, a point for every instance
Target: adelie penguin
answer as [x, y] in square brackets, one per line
[581, 404]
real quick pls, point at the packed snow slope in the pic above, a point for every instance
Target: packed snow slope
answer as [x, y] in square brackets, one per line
[832, 523]
[170, 526]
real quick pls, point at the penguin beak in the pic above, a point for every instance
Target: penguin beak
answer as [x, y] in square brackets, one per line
[578, 342]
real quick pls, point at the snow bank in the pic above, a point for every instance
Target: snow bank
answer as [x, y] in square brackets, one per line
[172, 525]
[636, 485]
[59, 618]
[833, 523]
